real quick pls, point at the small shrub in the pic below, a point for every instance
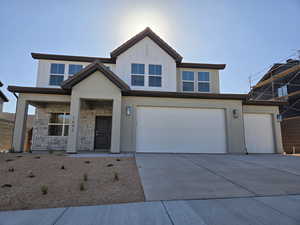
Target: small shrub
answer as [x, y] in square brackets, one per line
[116, 176]
[6, 185]
[81, 187]
[85, 177]
[87, 162]
[50, 151]
[30, 174]
[110, 165]
[44, 189]
[62, 167]
[11, 169]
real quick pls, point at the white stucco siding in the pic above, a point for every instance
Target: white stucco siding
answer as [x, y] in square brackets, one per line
[43, 74]
[147, 52]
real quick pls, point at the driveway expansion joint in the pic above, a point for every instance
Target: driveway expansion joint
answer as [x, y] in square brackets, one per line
[60, 216]
[167, 212]
[227, 179]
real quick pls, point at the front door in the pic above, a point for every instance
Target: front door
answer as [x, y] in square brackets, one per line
[102, 132]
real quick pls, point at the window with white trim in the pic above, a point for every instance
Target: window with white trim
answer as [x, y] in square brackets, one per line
[57, 72]
[203, 82]
[59, 124]
[137, 74]
[74, 68]
[154, 75]
[188, 80]
[282, 91]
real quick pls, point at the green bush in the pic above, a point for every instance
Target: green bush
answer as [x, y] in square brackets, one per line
[85, 177]
[81, 187]
[116, 176]
[44, 189]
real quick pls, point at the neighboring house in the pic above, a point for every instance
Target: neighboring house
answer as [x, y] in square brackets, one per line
[141, 99]
[282, 82]
[7, 125]
[3, 98]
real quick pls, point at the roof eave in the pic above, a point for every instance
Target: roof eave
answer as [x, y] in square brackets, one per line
[71, 58]
[201, 66]
[38, 90]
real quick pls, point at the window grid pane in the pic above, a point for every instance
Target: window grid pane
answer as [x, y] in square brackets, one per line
[203, 76]
[137, 80]
[188, 75]
[154, 81]
[73, 68]
[188, 86]
[154, 69]
[203, 87]
[56, 79]
[137, 68]
[57, 68]
[55, 130]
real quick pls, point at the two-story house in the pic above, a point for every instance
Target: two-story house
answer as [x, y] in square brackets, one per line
[141, 99]
[282, 82]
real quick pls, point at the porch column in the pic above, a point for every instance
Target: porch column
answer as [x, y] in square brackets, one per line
[116, 126]
[20, 125]
[74, 127]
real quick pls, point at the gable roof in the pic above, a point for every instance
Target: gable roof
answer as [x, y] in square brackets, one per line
[154, 37]
[87, 71]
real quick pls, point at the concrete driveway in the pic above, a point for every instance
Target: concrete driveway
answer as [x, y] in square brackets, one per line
[195, 176]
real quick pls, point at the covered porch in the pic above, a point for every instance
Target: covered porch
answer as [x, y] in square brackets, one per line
[87, 126]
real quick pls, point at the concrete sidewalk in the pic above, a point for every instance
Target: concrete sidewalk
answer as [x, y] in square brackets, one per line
[279, 210]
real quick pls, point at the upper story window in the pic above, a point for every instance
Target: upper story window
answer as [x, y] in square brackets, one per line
[59, 124]
[200, 83]
[203, 82]
[188, 80]
[57, 72]
[137, 74]
[73, 68]
[282, 91]
[154, 75]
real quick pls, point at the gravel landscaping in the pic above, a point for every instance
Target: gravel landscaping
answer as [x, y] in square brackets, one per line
[29, 181]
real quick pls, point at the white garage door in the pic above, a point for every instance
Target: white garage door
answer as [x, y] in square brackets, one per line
[180, 130]
[259, 133]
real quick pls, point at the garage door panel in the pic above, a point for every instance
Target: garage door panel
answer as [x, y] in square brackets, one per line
[180, 130]
[259, 135]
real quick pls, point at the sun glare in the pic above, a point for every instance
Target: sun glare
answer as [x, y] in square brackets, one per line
[134, 23]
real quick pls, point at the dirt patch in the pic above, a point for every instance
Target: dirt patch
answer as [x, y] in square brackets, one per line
[24, 187]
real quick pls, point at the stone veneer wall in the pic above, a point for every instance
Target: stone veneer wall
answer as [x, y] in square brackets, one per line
[88, 113]
[40, 138]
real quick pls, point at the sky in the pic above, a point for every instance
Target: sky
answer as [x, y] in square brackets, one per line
[248, 36]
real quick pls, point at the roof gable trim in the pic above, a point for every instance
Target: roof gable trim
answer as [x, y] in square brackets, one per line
[140, 36]
[90, 69]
